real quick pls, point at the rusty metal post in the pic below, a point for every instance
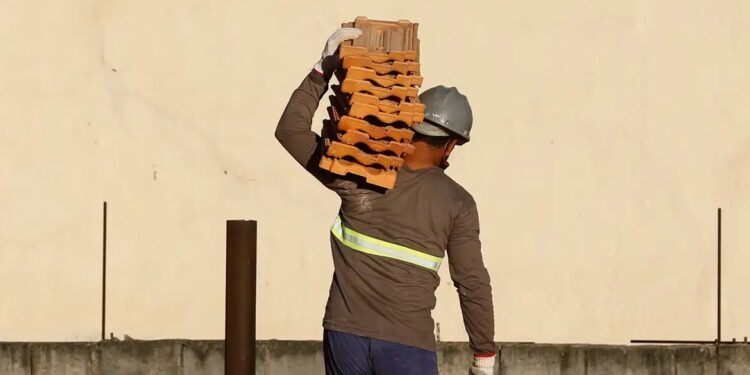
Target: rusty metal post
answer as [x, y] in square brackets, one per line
[239, 350]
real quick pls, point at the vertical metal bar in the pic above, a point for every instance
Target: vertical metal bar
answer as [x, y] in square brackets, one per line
[104, 270]
[718, 289]
[239, 332]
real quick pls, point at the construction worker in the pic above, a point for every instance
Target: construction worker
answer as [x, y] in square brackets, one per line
[388, 245]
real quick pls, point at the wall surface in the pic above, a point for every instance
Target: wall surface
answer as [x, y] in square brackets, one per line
[181, 357]
[606, 135]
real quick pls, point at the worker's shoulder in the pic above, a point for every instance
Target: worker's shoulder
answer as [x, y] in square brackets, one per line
[448, 188]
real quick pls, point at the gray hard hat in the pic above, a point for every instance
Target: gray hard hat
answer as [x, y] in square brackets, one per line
[447, 112]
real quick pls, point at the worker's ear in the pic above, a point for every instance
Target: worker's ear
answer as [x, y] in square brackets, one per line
[449, 147]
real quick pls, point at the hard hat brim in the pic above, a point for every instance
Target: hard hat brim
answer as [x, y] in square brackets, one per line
[428, 129]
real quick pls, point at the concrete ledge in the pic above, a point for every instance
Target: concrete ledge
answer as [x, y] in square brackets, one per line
[606, 360]
[536, 359]
[202, 357]
[650, 360]
[697, 360]
[185, 357]
[454, 358]
[289, 357]
[141, 357]
[64, 358]
[734, 360]
[15, 359]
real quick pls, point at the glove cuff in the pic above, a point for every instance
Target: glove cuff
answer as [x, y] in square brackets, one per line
[318, 68]
[484, 360]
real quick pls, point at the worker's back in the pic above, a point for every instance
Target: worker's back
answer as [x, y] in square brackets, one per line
[387, 246]
[385, 292]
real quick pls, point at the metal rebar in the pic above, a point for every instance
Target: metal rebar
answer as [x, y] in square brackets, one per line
[240, 297]
[671, 342]
[104, 270]
[696, 342]
[717, 341]
[718, 284]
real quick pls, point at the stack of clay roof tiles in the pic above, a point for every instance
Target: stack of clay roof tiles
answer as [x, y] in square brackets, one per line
[376, 103]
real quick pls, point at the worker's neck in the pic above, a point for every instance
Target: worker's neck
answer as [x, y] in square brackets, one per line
[424, 156]
[419, 163]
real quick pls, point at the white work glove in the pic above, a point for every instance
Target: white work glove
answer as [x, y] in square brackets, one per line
[329, 59]
[483, 366]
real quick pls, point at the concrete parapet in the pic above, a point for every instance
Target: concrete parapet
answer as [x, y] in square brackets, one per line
[186, 357]
[734, 360]
[15, 359]
[64, 358]
[141, 357]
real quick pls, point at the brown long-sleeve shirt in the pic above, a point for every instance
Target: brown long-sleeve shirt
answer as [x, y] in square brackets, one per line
[385, 298]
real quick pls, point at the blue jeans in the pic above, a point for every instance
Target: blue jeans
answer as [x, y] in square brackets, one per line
[347, 354]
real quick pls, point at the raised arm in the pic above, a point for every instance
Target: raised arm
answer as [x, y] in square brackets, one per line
[472, 282]
[294, 130]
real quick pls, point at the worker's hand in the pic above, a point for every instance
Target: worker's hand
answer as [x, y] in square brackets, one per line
[483, 366]
[329, 59]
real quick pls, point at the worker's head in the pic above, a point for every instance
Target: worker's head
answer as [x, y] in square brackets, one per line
[447, 123]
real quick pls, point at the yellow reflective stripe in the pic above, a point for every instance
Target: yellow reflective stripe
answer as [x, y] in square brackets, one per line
[373, 246]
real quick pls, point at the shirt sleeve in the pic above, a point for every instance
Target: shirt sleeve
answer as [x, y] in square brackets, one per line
[294, 130]
[472, 280]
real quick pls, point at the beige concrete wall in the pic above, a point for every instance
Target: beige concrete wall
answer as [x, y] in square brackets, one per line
[606, 134]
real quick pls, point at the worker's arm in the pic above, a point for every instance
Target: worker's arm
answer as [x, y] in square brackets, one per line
[294, 130]
[472, 282]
